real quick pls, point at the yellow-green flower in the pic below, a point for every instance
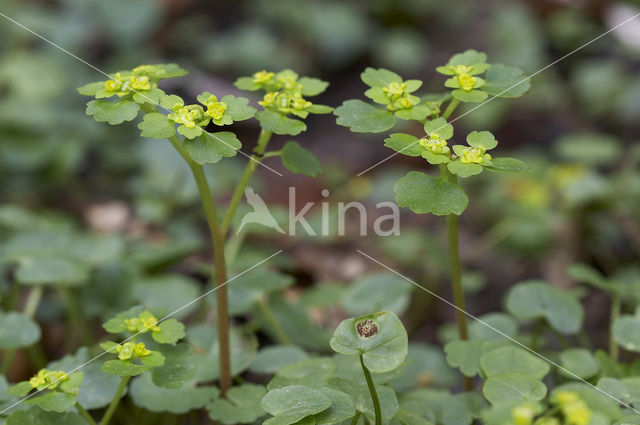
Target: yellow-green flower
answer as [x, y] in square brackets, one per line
[435, 144]
[215, 109]
[185, 115]
[144, 322]
[126, 350]
[522, 414]
[299, 103]
[139, 83]
[466, 81]
[262, 77]
[577, 413]
[395, 89]
[140, 350]
[475, 155]
[49, 379]
[269, 99]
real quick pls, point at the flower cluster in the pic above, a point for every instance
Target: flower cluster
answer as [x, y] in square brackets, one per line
[573, 407]
[130, 350]
[143, 323]
[46, 378]
[464, 69]
[52, 380]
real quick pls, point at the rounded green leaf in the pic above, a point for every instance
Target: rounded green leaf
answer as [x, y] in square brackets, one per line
[499, 321]
[513, 386]
[362, 117]
[312, 86]
[377, 292]
[170, 331]
[513, 359]
[473, 96]
[507, 165]
[425, 365]
[506, 81]
[37, 416]
[380, 339]
[241, 406]
[180, 400]
[167, 293]
[482, 138]
[123, 368]
[536, 299]
[405, 144]
[417, 112]
[280, 124]
[465, 355]
[580, 362]
[51, 270]
[426, 194]
[156, 126]
[359, 393]
[270, 359]
[178, 366]
[300, 160]
[238, 108]
[626, 332]
[440, 127]
[464, 170]
[210, 148]
[290, 404]
[341, 408]
[53, 401]
[17, 330]
[379, 77]
[113, 112]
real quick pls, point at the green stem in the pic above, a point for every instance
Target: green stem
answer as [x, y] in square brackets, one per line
[85, 415]
[354, 421]
[456, 271]
[450, 108]
[233, 246]
[217, 240]
[537, 332]
[372, 391]
[282, 336]
[115, 401]
[615, 313]
[238, 193]
[30, 308]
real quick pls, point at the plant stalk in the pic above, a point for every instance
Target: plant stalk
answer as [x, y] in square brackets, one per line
[116, 400]
[354, 421]
[456, 272]
[450, 108]
[373, 392]
[615, 313]
[85, 415]
[217, 240]
[238, 193]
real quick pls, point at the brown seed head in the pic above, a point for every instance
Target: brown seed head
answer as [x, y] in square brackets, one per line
[367, 328]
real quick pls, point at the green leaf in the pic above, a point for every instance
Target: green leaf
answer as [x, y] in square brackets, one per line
[312, 86]
[505, 81]
[38, 416]
[379, 77]
[361, 397]
[270, 359]
[405, 144]
[425, 365]
[482, 138]
[246, 83]
[498, 321]
[171, 331]
[20, 389]
[465, 355]
[417, 113]
[113, 112]
[178, 366]
[156, 126]
[319, 109]
[204, 339]
[253, 286]
[463, 408]
[626, 332]
[53, 401]
[362, 117]
[280, 124]
[426, 194]
[507, 165]
[513, 386]
[178, 401]
[17, 331]
[116, 324]
[97, 389]
[473, 96]
[536, 299]
[300, 160]
[464, 170]
[191, 133]
[341, 408]
[212, 147]
[91, 89]
[290, 404]
[380, 339]
[468, 57]
[512, 359]
[51, 270]
[440, 127]
[167, 293]
[238, 108]
[242, 405]
[377, 292]
[123, 368]
[580, 362]
[312, 372]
